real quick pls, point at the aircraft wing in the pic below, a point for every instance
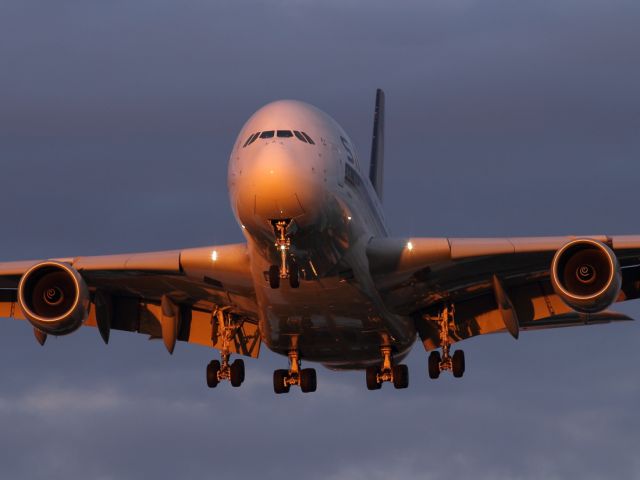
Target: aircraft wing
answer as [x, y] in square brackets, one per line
[197, 282]
[495, 284]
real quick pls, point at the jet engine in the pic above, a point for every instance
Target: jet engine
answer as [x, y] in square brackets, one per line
[54, 297]
[586, 275]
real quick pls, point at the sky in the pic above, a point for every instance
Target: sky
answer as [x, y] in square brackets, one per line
[503, 118]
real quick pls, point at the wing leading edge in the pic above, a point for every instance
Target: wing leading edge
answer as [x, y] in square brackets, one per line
[496, 284]
[137, 290]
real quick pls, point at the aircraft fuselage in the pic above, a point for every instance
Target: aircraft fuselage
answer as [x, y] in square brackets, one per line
[336, 316]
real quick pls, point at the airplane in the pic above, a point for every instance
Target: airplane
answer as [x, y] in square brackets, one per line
[319, 278]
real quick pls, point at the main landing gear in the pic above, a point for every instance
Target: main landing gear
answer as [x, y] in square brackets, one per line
[219, 370]
[305, 378]
[453, 363]
[288, 268]
[387, 372]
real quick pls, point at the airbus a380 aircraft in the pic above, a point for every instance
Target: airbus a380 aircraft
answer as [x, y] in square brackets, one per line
[319, 278]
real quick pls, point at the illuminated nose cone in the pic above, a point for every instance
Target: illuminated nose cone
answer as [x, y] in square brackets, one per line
[280, 184]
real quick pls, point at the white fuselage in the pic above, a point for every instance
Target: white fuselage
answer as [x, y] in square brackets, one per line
[336, 316]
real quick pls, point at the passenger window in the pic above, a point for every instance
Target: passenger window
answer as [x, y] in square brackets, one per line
[308, 138]
[284, 134]
[254, 138]
[267, 134]
[347, 148]
[351, 176]
[299, 136]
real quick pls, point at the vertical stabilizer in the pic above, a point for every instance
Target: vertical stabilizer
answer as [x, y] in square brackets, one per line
[376, 168]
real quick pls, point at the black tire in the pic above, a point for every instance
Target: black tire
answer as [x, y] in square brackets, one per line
[237, 373]
[372, 378]
[274, 276]
[308, 380]
[279, 377]
[458, 363]
[434, 364]
[212, 373]
[400, 376]
[294, 275]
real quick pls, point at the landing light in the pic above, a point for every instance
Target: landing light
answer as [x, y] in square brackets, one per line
[409, 246]
[214, 256]
[349, 218]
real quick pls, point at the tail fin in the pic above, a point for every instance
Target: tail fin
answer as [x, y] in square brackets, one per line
[376, 168]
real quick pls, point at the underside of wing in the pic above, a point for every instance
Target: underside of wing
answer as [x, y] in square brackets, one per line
[185, 295]
[503, 284]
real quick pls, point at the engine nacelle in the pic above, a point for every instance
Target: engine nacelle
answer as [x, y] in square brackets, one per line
[586, 275]
[54, 297]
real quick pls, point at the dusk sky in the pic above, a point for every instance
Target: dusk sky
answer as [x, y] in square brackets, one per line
[503, 118]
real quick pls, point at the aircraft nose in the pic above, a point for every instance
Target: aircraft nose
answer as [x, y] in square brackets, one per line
[280, 184]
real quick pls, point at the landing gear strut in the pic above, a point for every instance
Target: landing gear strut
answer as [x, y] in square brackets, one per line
[305, 378]
[454, 363]
[219, 370]
[387, 372]
[288, 267]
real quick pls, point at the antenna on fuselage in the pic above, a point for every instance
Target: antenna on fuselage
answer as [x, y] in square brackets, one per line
[376, 168]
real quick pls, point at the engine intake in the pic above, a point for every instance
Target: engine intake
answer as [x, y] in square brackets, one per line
[54, 297]
[586, 275]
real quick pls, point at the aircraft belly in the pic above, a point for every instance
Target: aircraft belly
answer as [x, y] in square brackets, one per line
[327, 321]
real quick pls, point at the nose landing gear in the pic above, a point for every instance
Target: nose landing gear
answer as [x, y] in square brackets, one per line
[387, 372]
[288, 267]
[219, 370]
[305, 378]
[454, 363]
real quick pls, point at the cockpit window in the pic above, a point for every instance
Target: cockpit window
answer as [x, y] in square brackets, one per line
[302, 136]
[308, 138]
[299, 136]
[255, 137]
[252, 138]
[248, 140]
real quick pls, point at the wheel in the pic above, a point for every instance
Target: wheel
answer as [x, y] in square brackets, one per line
[458, 363]
[294, 275]
[372, 378]
[279, 377]
[400, 376]
[308, 380]
[212, 373]
[237, 373]
[274, 276]
[434, 364]
[241, 368]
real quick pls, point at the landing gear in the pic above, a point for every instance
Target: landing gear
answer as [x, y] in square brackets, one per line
[372, 378]
[457, 364]
[288, 267]
[434, 364]
[280, 384]
[438, 363]
[218, 370]
[294, 274]
[377, 375]
[305, 378]
[213, 369]
[274, 276]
